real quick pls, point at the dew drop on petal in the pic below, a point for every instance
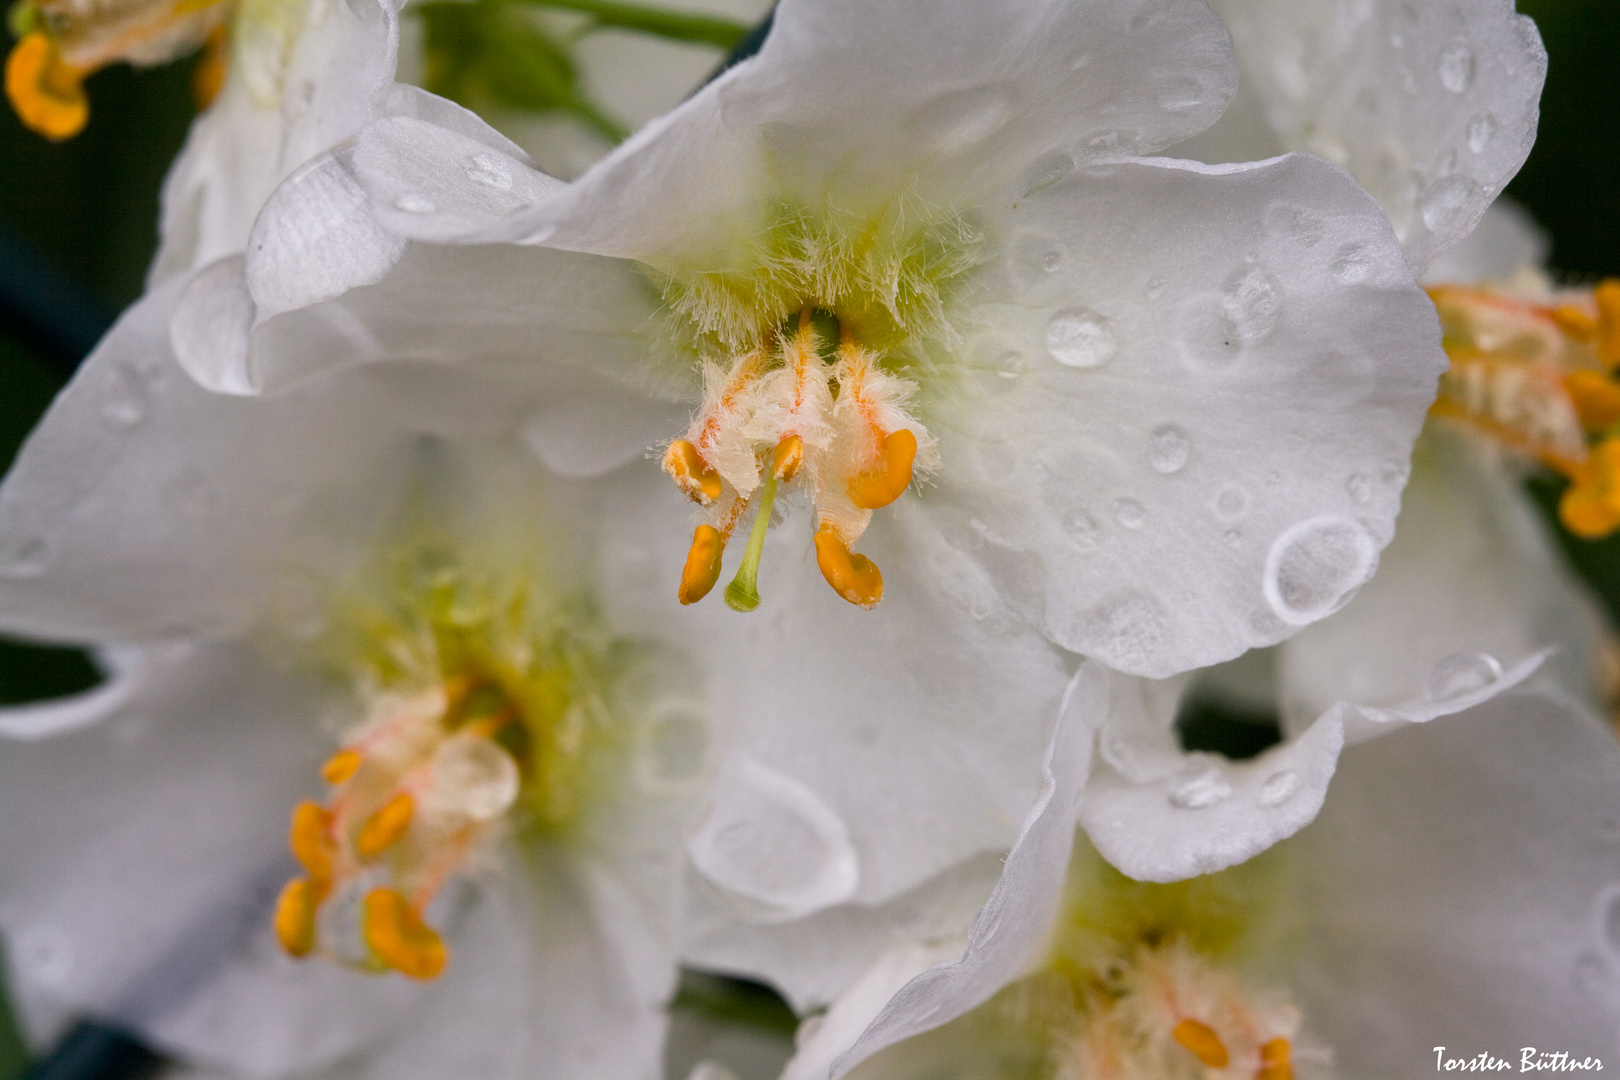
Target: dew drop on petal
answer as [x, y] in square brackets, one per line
[1457, 68]
[413, 203]
[1010, 365]
[1353, 264]
[1129, 629]
[770, 839]
[1231, 503]
[25, 557]
[1169, 449]
[123, 396]
[1445, 201]
[1359, 486]
[1314, 567]
[1198, 786]
[487, 170]
[1253, 302]
[1081, 529]
[1185, 94]
[1155, 287]
[1082, 338]
[1278, 788]
[1130, 513]
[1233, 538]
[1481, 130]
[1051, 261]
[1461, 674]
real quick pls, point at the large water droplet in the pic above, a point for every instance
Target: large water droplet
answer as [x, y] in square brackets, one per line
[25, 557]
[475, 776]
[488, 170]
[1359, 486]
[1444, 203]
[414, 203]
[1353, 264]
[1278, 788]
[1253, 301]
[1462, 674]
[770, 839]
[1481, 130]
[1130, 513]
[1314, 567]
[1128, 630]
[1456, 68]
[1081, 529]
[1198, 786]
[1169, 449]
[1082, 338]
[123, 396]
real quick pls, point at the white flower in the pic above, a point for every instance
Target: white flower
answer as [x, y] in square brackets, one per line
[370, 571]
[1459, 889]
[1138, 437]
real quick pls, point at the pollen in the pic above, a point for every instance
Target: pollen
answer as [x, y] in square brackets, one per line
[46, 92]
[881, 486]
[386, 827]
[854, 577]
[399, 938]
[1201, 1039]
[341, 765]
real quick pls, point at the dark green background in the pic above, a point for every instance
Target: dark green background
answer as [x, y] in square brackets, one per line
[89, 206]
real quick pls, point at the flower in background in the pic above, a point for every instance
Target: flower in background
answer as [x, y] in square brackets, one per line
[1349, 951]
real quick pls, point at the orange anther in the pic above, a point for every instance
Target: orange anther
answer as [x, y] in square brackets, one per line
[311, 839]
[295, 915]
[1276, 1061]
[692, 475]
[1201, 1039]
[1590, 507]
[209, 75]
[47, 93]
[1596, 398]
[399, 937]
[1575, 322]
[788, 458]
[702, 568]
[1607, 295]
[385, 827]
[854, 577]
[341, 765]
[883, 485]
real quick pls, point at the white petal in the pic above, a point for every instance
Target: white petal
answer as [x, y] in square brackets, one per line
[1461, 885]
[1431, 106]
[1011, 932]
[48, 719]
[1217, 376]
[853, 104]
[1505, 241]
[211, 324]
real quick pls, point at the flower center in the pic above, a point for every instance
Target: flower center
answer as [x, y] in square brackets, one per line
[1539, 377]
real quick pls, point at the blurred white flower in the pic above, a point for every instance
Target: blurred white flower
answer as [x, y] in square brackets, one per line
[1459, 889]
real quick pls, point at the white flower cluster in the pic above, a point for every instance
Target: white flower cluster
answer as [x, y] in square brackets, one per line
[1094, 325]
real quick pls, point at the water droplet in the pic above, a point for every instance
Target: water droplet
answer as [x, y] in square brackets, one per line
[962, 118]
[1278, 788]
[1359, 485]
[1304, 226]
[1231, 503]
[1198, 786]
[1446, 201]
[1233, 538]
[1130, 513]
[488, 170]
[1155, 287]
[1456, 68]
[1082, 530]
[25, 557]
[1080, 337]
[1314, 567]
[1353, 264]
[413, 203]
[46, 953]
[475, 776]
[770, 839]
[1185, 94]
[1051, 261]
[123, 396]
[1462, 674]
[1481, 130]
[1169, 449]
[1252, 300]
[1011, 365]
[1394, 472]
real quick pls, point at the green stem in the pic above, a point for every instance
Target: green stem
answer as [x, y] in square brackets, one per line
[743, 592]
[677, 26]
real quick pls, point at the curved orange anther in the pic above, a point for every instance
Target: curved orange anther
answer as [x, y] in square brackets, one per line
[1607, 295]
[1575, 322]
[300, 899]
[1201, 1039]
[788, 457]
[692, 475]
[1276, 1061]
[1596, 398]
[702, 568]
[47, 93]
[310, 838]
[854, 577]
[1590, 507]
[341, 765]
[384, 828]
[880, 487]
[399, 937]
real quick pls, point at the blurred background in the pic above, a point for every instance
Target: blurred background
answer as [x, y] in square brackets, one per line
[78, 224]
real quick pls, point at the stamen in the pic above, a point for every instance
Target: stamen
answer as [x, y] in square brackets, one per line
[1276, 1061]
[209, 75]
[399, 937]
[295, 915]
[1607, 296]
[311, 840]
[1596, 398]
[743, 592]
[788, 458]
[1201, 1039]
[386, 826]
[1590, 507]
[340, 766]
[702, 568]
[696, 480]
[854, 577]
[878, 488]
[46, 92]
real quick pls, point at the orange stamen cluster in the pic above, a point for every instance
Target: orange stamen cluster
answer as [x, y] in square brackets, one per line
[1542, 378]
[785, 414]
[46, 92]
[413, 792]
